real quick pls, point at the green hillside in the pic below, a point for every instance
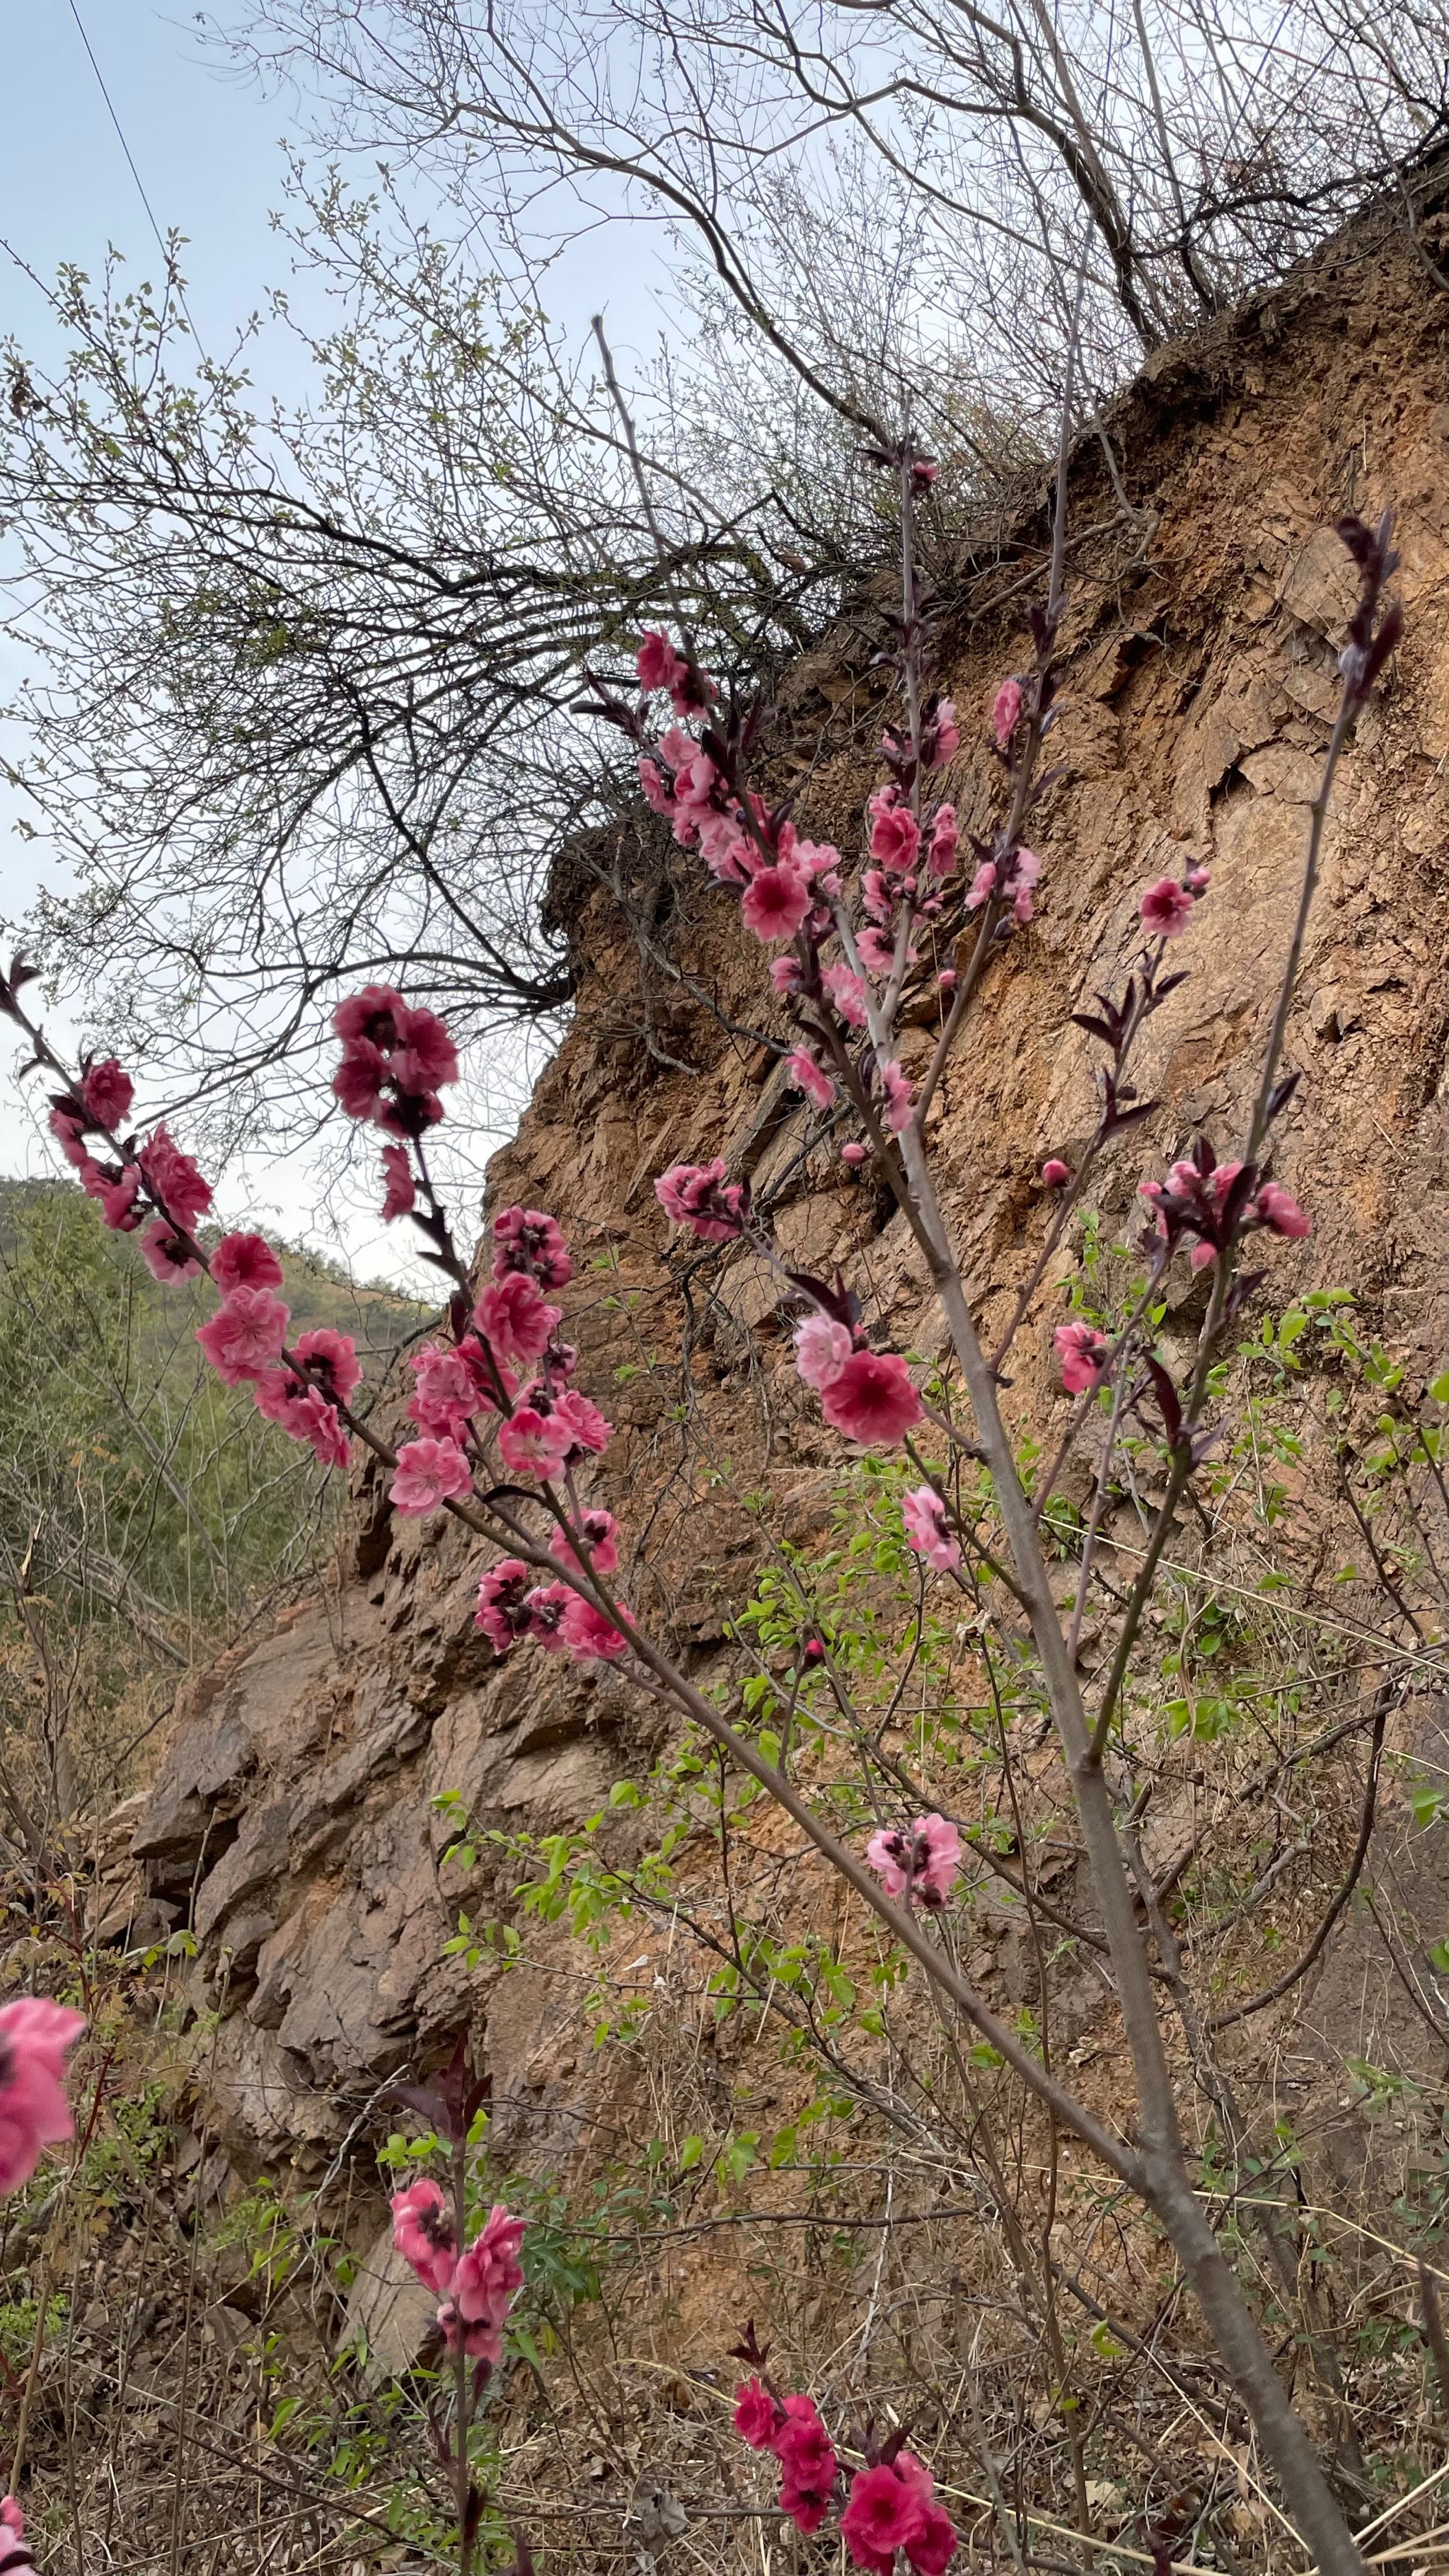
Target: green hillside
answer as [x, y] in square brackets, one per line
[148, 1514]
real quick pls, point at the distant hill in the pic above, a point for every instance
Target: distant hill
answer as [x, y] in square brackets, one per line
[149, 1514]
[318, 1290]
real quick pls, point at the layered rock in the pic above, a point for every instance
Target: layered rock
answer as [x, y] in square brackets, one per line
[296, 1811]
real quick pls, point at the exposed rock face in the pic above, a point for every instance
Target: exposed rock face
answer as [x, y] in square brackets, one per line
[295, 1809]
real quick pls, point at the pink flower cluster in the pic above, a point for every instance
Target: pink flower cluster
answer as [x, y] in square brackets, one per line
[244, 1340]
[924, 1863]
[793, 2430]
[174, 1184]
[395, 1059]
[891, 2506]
[302, 1398]
[477, 2287]
[512, 1606]
[35, 2035]
[1012, 880]
[1204, 1202]
[545, 1422]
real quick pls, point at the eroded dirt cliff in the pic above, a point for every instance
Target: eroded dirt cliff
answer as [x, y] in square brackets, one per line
[296, 1811]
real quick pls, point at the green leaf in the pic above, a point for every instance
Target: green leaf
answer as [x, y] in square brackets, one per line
[690, 2153]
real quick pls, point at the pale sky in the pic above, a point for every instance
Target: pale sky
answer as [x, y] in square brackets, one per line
[208, 153]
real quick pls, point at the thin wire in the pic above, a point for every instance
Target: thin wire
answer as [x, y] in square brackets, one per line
[130, 160]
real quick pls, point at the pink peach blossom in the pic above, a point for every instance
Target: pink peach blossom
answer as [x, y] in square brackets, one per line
[489, 2275]
[70, 1135]
[924, 1515]
[697, 1195]
[501, 1613]
[1081, 1352]
[1055, 1172]
[428, 1474]
[545, 1606]
[600, 1535]
[854, 1155]
[588, 1635]
[803, 2447]
[173, 1180]
[583, 1421]
[655, 790]
[369, 1017]
[330, 1359]
[895, 838]
[1006, 711]
[886, 1853]
[944, 842]
[452, 1385]
[527, 1239]
[244, 1261]
[424, 2234]
[810, 1077]
[1280, 1211]
[118, 1194]
[822, 1348]
[883, 2514]
[899, 1096]
[877, 951]
[847, 992]
[107, 1092]
[515, 1319]
[399, 1190]
[167, 1254]
[1166, 908]
[983, 886]
[534, 1443]
[776, 902]
[756, 2414]
[945, 735]
[872, 1400]
[245, 1335]
[304, 1413]
[657, 663]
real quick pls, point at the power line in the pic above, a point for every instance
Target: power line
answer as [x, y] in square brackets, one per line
[130, 157]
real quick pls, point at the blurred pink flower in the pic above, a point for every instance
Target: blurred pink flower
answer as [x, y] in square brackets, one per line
[810, 1077]
[1006, 711]
[35, 2036]
[399, 1191]
[1081, 1352]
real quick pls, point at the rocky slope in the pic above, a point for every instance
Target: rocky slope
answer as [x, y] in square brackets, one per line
[294, 1813]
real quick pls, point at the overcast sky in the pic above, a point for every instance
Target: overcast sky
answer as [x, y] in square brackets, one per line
[208, 152]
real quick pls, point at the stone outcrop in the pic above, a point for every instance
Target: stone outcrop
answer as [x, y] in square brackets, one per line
[295, 1812]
